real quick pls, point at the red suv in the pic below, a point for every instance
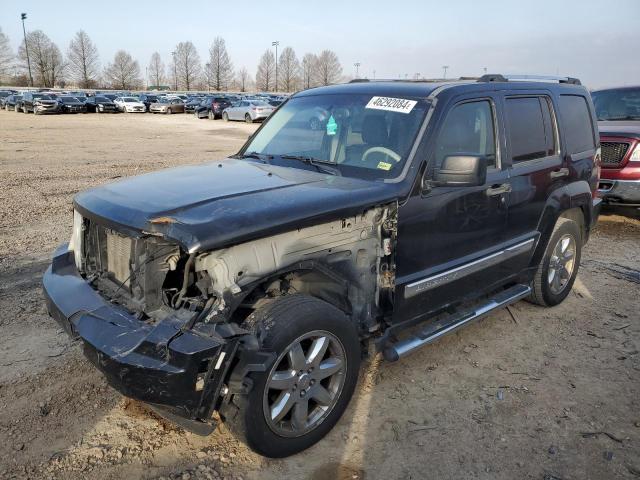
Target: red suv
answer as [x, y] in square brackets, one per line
[618, 111]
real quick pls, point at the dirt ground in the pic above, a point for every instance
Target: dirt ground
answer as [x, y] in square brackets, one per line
[529, 393]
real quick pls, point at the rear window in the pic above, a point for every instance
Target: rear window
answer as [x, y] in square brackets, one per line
[576, 120]
[530, 128]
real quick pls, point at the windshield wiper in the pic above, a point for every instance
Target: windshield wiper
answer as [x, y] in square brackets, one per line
[622, 117]
[258, 156]
[321, 165]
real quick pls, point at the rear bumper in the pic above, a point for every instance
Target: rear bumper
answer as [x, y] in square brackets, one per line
[619, 192]
[181, 372]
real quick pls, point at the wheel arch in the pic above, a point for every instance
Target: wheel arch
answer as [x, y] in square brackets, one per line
[571, 201]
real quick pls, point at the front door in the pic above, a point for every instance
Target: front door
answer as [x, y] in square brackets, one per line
[450, 239]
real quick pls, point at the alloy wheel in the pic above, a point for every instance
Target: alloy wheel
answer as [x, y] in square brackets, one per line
[561, 264]
[304, 384]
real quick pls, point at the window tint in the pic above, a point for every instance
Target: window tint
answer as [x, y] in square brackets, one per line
[468, 128]
[576, 119]
[530, 128]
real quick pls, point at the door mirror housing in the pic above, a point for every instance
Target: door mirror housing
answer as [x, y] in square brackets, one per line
[462, 170]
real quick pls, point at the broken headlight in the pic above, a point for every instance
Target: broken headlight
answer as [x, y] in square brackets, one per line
[75, 243]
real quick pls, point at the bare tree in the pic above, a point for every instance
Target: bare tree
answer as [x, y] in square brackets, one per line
[309, 66]
[46, 59]
[124, 72]
[83, 60]
[243, 79]
[156, 70]
[266, 72]
[6, 56]
[187, 65]
[328, 69]
[288, 70]
[220, 64]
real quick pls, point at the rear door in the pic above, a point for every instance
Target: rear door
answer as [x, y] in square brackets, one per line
[451, 240]
[535, 164]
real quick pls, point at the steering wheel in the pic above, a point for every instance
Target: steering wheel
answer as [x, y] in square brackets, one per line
[388, 152]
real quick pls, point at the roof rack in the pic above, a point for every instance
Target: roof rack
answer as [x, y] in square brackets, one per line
[496, 77]
[411, 80]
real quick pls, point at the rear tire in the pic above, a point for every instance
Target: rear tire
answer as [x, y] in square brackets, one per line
[248, 119]
[225, 117]
[558, 268]
[298, 389]
[211, 115]
[168, 111]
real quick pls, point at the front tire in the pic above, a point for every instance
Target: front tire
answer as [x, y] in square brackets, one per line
[225, 117]
[558, 268]
[248, 119]
[303, 394]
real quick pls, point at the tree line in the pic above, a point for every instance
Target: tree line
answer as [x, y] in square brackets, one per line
[184, 69]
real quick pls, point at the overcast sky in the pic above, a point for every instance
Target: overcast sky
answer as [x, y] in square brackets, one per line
[595, 41]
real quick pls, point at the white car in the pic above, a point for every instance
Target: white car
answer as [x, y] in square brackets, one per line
[248, 110]
[130, 105]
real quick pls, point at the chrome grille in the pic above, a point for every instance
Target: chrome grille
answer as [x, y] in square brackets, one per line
[119, 257]
[613, 153]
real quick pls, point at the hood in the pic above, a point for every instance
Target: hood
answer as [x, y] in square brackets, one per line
[221, 203]
[620, 128]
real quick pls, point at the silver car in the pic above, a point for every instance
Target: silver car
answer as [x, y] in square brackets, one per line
[248, 110]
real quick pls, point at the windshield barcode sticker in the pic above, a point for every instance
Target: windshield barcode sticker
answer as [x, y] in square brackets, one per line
[391, 104]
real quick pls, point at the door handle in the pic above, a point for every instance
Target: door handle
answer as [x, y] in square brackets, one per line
[495, 190]
[559, 173]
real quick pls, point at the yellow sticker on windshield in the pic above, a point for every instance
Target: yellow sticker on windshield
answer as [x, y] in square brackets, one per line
[384, 166]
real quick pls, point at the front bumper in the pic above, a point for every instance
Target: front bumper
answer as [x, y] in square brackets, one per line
[620, 192]
[178, 371]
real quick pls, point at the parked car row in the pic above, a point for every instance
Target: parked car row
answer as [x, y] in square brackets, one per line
[247, 108]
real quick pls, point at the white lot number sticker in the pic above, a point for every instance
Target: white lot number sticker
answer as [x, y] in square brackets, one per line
[391, 104]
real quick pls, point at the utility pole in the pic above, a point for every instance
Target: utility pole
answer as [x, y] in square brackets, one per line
[275, 44]
[357, 65]
[374, 74]
[175, 71]
[23, 16]
[485, 70]
[445, 68]
[146, 78]
[208, 73]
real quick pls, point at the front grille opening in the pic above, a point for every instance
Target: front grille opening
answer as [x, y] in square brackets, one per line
[613, 153]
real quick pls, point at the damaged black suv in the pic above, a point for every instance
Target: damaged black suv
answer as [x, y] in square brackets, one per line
[370, 216]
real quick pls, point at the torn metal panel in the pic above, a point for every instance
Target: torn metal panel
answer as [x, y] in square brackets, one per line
[352, 247]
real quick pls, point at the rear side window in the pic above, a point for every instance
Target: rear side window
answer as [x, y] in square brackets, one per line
[576, 120]
[530, 128]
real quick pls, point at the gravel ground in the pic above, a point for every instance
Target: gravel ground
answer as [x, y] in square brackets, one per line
[526, 393]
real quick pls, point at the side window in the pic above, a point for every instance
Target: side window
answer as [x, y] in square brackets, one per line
[576, 120]
[530, 128]
[468, 128]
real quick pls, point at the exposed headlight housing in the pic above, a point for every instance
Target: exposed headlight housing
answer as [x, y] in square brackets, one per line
[75, 243]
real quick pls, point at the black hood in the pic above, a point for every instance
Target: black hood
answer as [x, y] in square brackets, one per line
[620, 128]
[216, 204]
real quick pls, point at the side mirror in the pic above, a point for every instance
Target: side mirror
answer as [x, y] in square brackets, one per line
[462, 171]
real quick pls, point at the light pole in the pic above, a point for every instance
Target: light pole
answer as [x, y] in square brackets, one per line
[374, 74]
[357, 65]
[208, 67]
[275, 44]
[485, 70]
[445, 68]
[175, 71]
[146, 78]
[23, 16]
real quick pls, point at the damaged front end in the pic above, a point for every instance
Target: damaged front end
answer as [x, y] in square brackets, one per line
[135, 304]
[164, 324]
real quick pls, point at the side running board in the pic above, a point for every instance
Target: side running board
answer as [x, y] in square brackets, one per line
[432, 332]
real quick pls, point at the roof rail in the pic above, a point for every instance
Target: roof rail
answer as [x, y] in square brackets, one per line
[412, 80]
[496, 77]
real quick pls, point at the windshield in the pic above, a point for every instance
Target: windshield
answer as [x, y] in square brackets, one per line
[102, 99]
[129, 99]
[69, 100]
[363, 135]
[617, 104]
